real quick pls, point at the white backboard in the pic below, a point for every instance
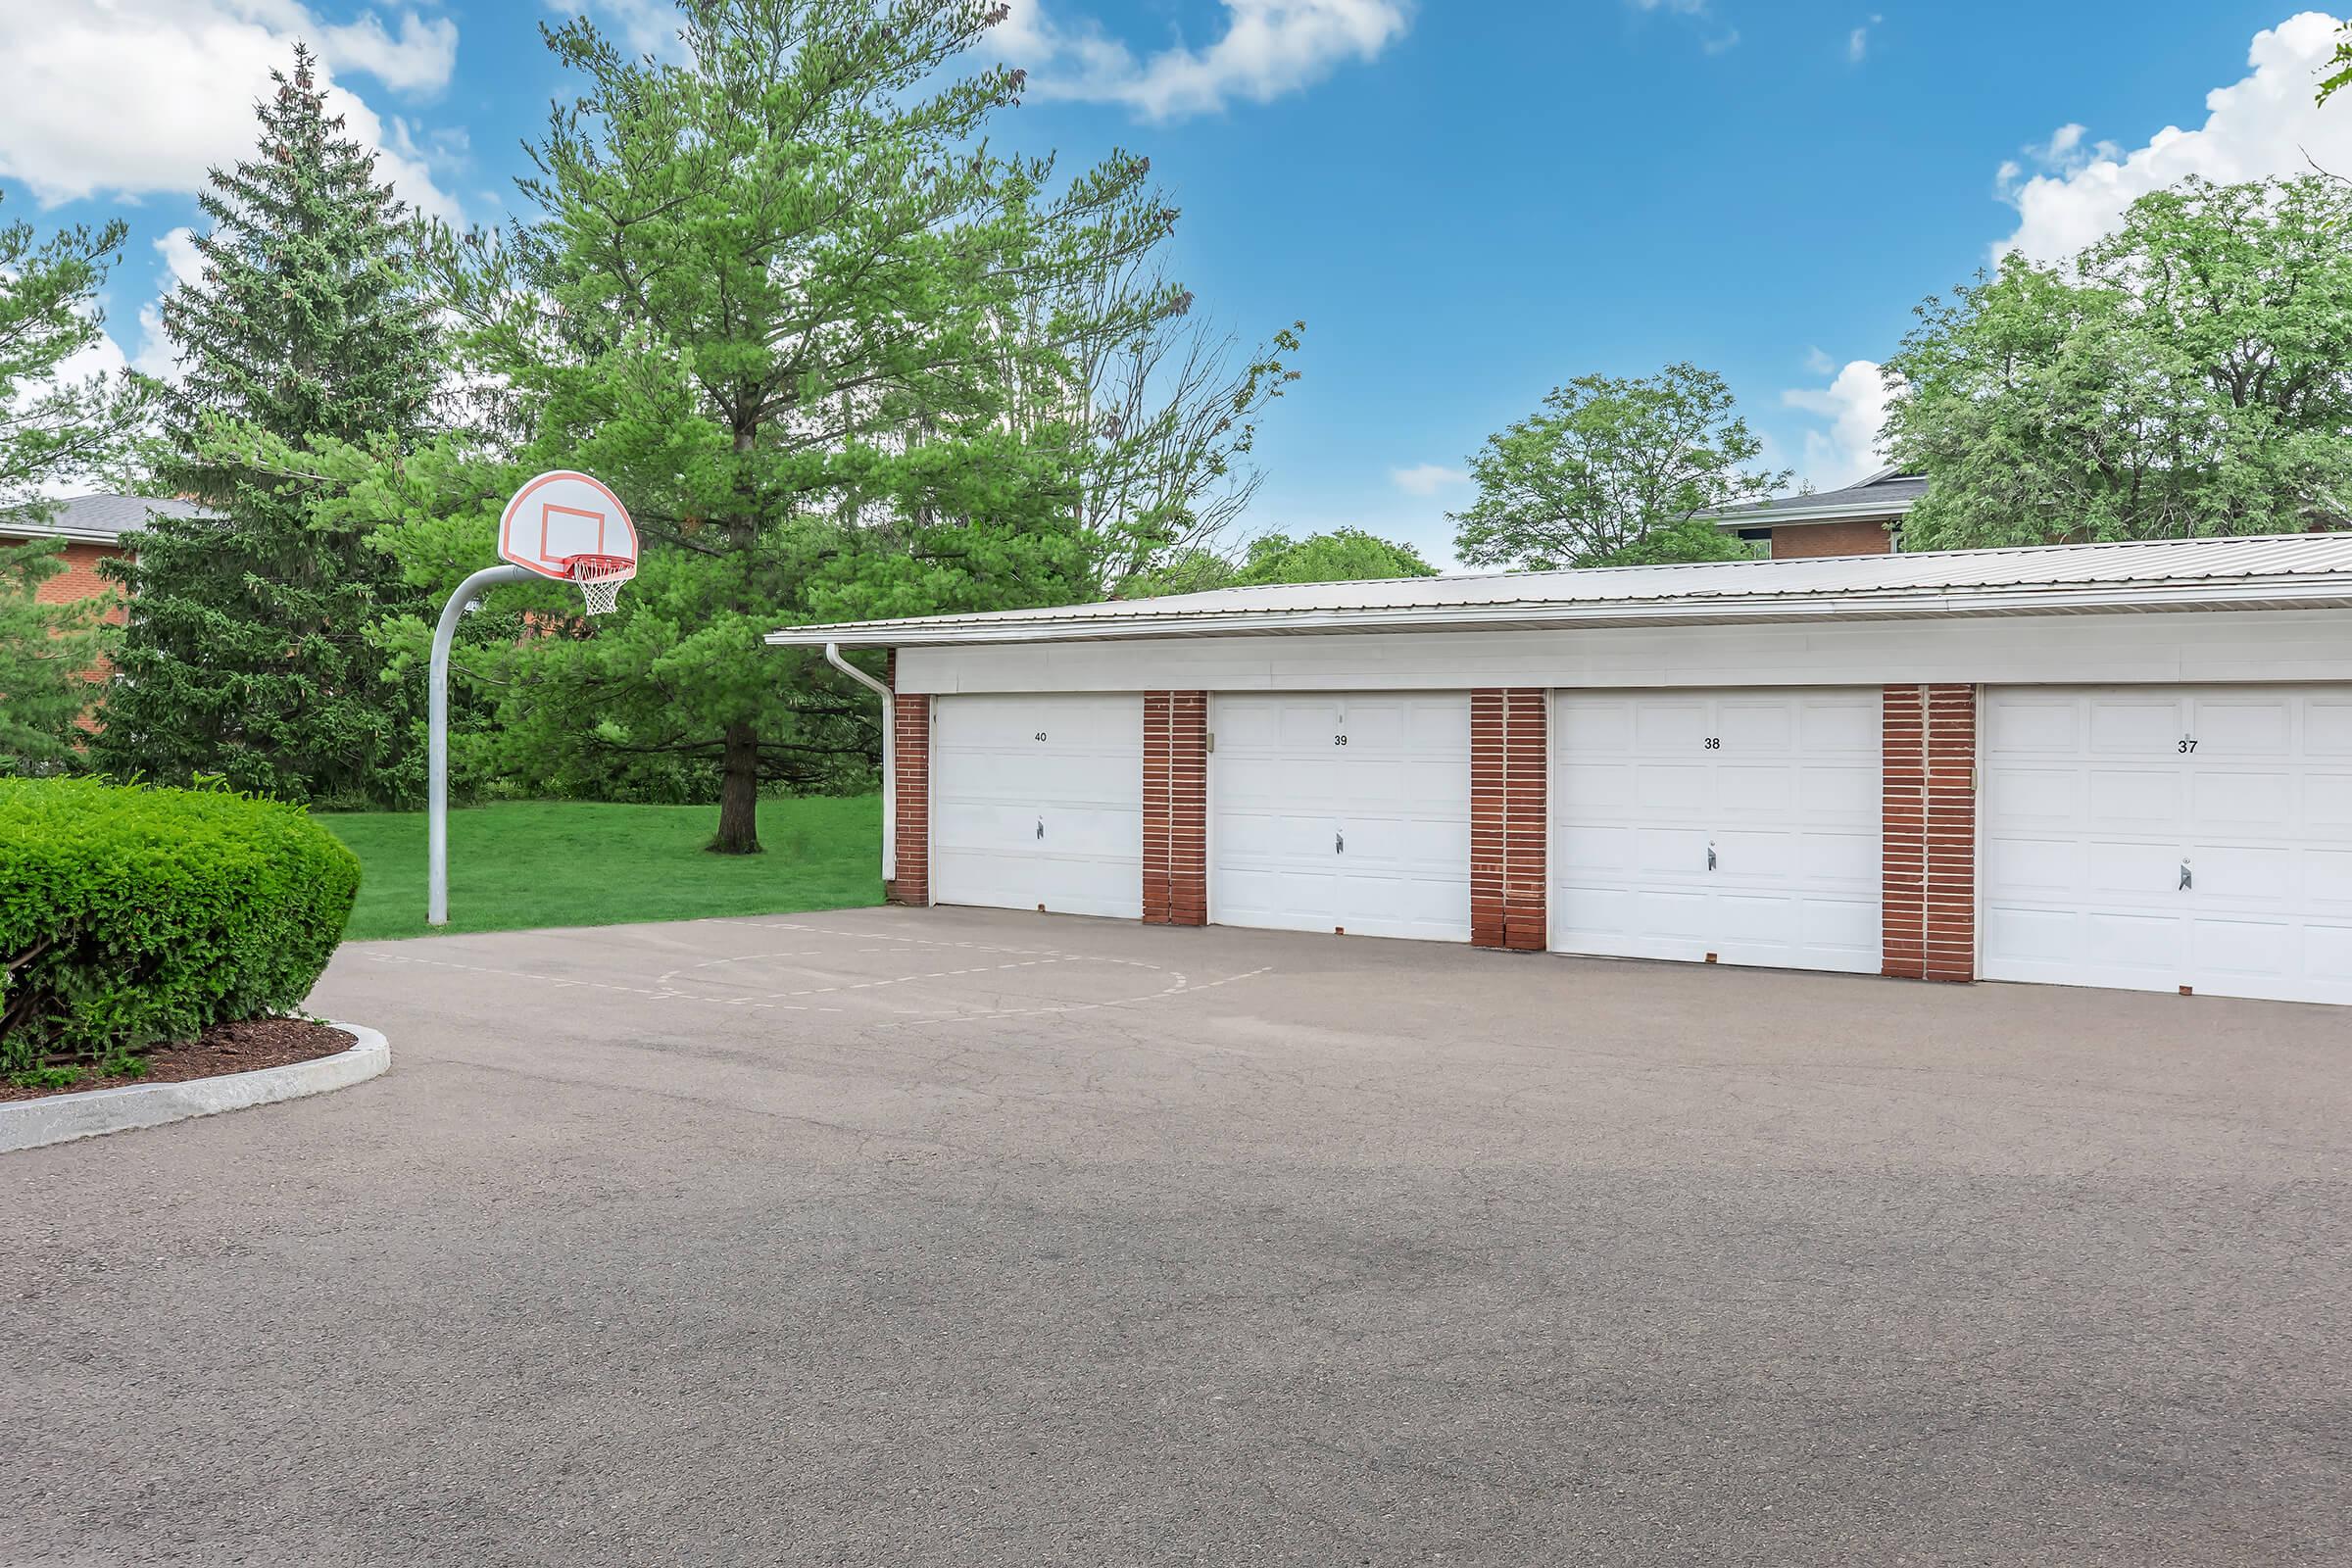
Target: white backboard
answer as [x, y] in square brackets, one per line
[561, 515]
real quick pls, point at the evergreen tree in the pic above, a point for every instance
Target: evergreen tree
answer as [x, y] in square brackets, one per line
[248, 653]
[778, 296]
[55, 428]
[49, 655]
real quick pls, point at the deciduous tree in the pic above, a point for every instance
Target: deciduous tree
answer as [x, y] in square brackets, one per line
[1614, 471]
[775, 295]
[1166, 413]
[2190, 374]
[1344, 555]
[2339, 66]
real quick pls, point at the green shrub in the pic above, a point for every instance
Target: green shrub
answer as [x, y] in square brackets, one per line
[130, 916]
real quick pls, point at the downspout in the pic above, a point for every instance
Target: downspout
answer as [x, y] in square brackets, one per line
[890, 757]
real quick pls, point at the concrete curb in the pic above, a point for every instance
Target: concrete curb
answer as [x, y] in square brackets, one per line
[61, 1118]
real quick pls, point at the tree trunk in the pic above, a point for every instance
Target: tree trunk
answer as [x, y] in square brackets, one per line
[739, 794]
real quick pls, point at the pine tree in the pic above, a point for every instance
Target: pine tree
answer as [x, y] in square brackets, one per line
[776, 299]
[248, 653]
[55, 428]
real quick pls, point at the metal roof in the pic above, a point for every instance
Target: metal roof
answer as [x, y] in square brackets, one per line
[96, 518]
[2290, 572]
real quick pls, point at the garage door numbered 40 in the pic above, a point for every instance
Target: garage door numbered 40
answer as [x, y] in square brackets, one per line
[1038, 803]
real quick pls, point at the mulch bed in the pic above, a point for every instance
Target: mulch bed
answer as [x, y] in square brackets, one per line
[240, 1047]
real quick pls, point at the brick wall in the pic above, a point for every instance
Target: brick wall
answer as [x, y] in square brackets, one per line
[914, 783]
[1803, 540]
[79, 579]
[1508, 818]
[1175, 808]
[1931, 832]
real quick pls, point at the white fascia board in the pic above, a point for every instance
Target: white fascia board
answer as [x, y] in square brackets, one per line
[1873, 511]
[2331, 592]
[51, 530]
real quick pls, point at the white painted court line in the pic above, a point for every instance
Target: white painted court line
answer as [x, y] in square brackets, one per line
[676, 985]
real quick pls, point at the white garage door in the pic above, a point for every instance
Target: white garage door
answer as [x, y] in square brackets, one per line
[1746, 824]
[1039, 800]
[2149, 838]
[1342, 813]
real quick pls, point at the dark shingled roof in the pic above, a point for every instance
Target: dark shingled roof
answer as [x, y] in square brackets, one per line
[1889, 489]
[101, 518]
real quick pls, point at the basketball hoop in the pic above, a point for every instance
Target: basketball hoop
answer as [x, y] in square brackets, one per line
[599, 578]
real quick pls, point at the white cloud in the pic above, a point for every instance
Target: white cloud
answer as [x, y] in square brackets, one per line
[1427, 479]
[1269, 48]
[645, 27]
[1700, 11]
[421, 59]
[138, 97]
[1855, 404]
[156, 355]
[2262, 125]
[1857, 42]
[178, 251]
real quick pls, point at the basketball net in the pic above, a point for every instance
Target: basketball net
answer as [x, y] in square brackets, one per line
[599, 579]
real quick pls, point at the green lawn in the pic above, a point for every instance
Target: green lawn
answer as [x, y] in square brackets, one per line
[567, 862]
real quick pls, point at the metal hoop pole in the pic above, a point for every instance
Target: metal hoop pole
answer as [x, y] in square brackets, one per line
[437, 736]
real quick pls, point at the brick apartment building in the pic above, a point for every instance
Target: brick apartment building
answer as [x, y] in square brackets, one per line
[94, 527]
[1861, 519]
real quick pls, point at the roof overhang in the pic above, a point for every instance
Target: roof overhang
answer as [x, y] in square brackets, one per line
[10, 529]
[2328, 590]
[1851, 511]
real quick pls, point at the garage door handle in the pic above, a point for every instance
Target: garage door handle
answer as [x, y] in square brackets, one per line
[1710, 857]
[1339, 844]
[1041, 827]
[2187, 880]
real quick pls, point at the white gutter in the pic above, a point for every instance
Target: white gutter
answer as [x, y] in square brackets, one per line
[78, 536]
[890, 756]
[2328, 590]
[1845, 511]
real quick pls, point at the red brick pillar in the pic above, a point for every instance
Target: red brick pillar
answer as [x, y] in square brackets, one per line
[1508, 818]
[913, 748]
[1931, 833]
[1176, 808]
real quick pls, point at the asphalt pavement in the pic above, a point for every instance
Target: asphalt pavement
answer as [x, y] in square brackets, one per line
[888, 1237]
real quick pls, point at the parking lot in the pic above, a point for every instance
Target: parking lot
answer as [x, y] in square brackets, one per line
[959, 1238]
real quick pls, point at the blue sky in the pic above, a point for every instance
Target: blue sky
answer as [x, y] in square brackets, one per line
[1467, 201]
